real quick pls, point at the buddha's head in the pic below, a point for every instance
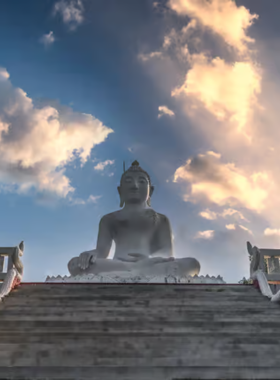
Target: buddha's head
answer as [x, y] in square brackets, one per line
[135, 186]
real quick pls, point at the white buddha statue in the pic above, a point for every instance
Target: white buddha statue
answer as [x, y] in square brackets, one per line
[142, 237]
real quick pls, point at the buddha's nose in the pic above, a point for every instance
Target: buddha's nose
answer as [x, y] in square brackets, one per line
[135, 185]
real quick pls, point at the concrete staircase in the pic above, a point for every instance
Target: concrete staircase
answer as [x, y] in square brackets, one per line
[137, 332]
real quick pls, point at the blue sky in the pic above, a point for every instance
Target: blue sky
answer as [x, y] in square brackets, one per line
[195, 102]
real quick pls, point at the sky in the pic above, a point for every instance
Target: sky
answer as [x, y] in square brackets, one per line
[189, 88]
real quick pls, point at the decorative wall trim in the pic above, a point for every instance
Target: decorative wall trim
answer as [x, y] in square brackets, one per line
[123, 277]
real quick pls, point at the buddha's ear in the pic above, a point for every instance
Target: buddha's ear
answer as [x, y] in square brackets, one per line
[151, 190]
[121, 199]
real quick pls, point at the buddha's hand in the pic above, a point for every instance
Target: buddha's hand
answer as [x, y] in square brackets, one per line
[86, 258]
[147, 261]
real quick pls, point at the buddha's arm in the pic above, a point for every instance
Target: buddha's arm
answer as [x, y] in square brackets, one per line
[164, 245]
[104, 239]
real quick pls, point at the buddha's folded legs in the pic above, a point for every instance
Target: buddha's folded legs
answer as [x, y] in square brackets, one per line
[99, 266]
[179, 267]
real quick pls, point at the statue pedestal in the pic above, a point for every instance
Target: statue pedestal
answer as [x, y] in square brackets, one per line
[123, 278]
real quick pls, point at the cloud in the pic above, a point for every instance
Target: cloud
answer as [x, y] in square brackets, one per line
[230, 101]
[222, 184]
[222, 17]
[272, 231]
[145, 57]
[101, 165]
[36, 143]
[231, 211]
[94, 198]
[230, 226]
[228, 91]
[207, 214]
[205, 234]
[79, 201]
[71, 12]
[223, 253]
[227, 88]
[164, 110]
[246, 229]
[47, 39]
[213, 215]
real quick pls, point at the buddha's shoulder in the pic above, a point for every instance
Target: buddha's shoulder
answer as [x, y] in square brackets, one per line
[161, 218]
[111, 216]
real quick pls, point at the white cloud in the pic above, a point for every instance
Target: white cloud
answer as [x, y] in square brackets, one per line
[101, 165]
[47, 39]
[164, 110]
[209, 234]
[207, 214]
[272, 231]
[230, 226]
[37, 143]
[4, 75]
[246, 229]
[94, 198]
[231, 211]
[71, 12]
[79, 201]
[145, 57]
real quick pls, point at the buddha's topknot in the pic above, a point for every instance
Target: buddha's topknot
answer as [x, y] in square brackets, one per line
[135, 167]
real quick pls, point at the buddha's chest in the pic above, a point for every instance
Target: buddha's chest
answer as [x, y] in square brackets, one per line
[140, 225]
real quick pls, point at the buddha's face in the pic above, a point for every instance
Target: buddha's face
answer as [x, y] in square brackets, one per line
[135, 188]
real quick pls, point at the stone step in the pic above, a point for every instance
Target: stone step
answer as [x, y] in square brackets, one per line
[190, 319]
[120, 315]
[154, 352]
[134, 302]
[88, 331]
[39, 307]
[138, 326]
[124, 337]
[143, 290]
[140, 373]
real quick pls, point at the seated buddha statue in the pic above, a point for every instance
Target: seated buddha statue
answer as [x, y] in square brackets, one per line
[142, 236]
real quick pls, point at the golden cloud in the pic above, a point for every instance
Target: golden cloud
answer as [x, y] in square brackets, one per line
[164, 110]
[222, 184]
[272, 232]
[223, 17]
[228, 91]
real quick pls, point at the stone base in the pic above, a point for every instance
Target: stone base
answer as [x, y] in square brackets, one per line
[124, 278]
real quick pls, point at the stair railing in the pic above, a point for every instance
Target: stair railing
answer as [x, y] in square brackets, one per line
[258, 270]
[14, 273]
